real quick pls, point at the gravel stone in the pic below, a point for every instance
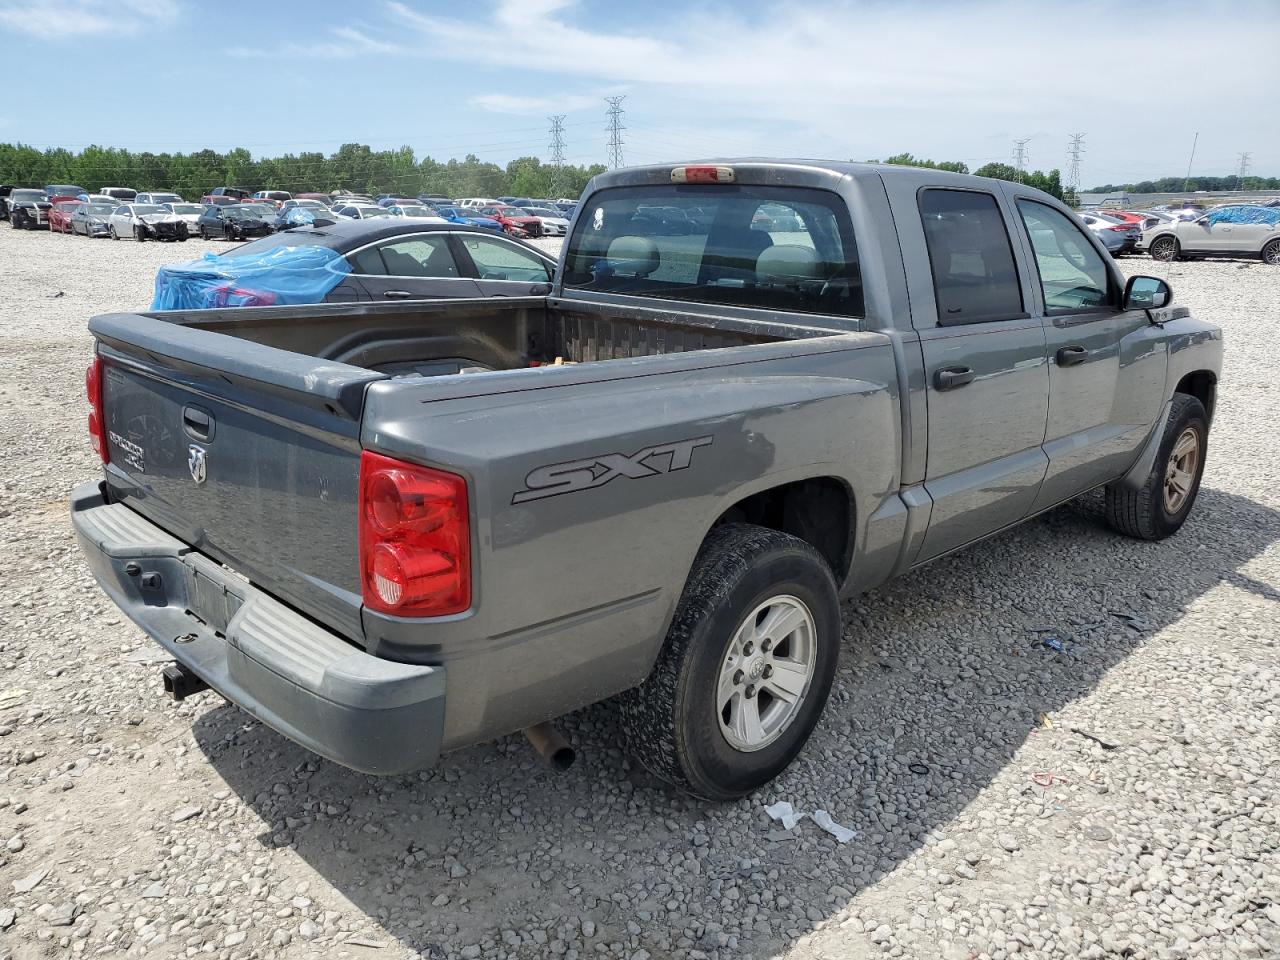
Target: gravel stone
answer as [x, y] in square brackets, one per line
[1152, 837]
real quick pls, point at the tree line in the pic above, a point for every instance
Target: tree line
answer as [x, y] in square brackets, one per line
[355, 167]
[1191, 184]
[1050, 183]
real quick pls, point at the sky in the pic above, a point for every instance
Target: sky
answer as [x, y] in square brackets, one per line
[839, 79]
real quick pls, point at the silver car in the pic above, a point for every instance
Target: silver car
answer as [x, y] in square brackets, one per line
[554, 224]
[189, 213]
[1243, 230]
[1118, 236]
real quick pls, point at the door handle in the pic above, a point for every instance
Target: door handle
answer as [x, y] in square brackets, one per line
[198, 423]
[397, 295]
[1070, 356]
[953, 377]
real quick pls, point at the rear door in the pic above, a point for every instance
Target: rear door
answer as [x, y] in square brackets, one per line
[242, 451]
[1106, 365]
[984, 356]
[418, 266]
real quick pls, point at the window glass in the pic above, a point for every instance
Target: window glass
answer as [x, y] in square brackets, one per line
[780, 248]
[1073, 274]
[975, 278]
[419, 257]
[498, 260]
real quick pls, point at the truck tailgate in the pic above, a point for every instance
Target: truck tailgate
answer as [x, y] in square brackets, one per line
[248, 453]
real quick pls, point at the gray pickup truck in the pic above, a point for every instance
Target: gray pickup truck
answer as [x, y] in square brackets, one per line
[756, 387]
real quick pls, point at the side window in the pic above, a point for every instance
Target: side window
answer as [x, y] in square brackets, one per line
[1073, 274]
[975, 278]
[420, 257]
[497, 260]
[367, 262]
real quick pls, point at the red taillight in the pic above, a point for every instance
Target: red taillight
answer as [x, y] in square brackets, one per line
[415, 538]
[707, 174]
[1119, 226]
[97, 428]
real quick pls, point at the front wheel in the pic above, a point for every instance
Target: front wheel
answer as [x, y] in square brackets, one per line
[1164, 248]
[139, 235]
[112, 230]
[1271, 253]
[1161, 505]
[745, 669]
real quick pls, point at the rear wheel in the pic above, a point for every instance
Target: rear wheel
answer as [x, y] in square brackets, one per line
[1164, 248]
[1161, 505]
[746, 667]
[1271, 253]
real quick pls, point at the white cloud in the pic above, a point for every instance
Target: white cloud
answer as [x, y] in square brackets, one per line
[512, 103]
[862, 78]
[54, 19]
[347, 43]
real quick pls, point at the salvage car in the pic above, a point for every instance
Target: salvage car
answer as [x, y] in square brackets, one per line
[68, 190]
[468, 216]
[124, 195]
[145, 221]
[28, 209]
[513, 220]
[377, 259]
[91, 219]
[188, 213]
[5, 190]
[225, 195]
[158, 198]
[415, 211]
[60, 214]
[231, 222]
[1240, 230]
[1118, 236]
[273, 197]
[392, 530]
[554, 224]
[360, 211]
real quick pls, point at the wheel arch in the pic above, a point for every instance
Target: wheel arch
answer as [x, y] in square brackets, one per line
[1203, 385]
[819, 510]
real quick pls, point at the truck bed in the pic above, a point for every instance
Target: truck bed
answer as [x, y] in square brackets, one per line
[433, 338]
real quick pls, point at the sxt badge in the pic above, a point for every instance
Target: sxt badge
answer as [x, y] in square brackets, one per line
[557, 478]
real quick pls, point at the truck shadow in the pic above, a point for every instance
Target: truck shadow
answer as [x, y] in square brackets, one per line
[944, 675]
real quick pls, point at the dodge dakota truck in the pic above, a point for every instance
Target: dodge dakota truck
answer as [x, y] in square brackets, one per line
[392, 530]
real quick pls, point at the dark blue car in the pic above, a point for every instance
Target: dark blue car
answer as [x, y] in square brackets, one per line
[458, 215]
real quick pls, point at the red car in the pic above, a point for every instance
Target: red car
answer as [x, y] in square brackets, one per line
[515, 222]
[60, 213]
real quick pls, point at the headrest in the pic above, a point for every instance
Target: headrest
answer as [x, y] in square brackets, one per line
[785, 262]
[634, 256]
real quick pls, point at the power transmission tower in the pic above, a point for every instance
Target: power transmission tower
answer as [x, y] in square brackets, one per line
[557, 155]
[615, 129]
[1243, 170]
[1074, 152]
[1020, 153]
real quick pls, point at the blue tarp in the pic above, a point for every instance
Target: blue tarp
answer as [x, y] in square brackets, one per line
[298, 274]
[1245, 214]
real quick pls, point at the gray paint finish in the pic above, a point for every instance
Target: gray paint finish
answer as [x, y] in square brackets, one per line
[573, 593]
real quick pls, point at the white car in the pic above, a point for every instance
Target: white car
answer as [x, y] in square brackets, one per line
[188, 212]
[417, 212]
[314, 205]
[145, 221]
[1235, 230]
[553, 223]
[156, 198]
[360, 211]
[475, 202]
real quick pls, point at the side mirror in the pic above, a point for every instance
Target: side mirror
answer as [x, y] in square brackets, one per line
[1147, 293]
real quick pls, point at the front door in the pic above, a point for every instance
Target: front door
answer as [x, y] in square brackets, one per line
[416, 267]
[504, 268]
[988, 384]
[1106, 365]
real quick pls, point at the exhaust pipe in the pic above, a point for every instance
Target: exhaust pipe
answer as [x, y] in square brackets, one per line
[551, 746]
[180, 683]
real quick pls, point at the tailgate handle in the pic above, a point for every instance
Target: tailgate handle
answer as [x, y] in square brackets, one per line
[198, 423]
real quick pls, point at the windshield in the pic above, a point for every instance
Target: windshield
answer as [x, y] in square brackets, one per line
[255, 208]
[185, 207]
[540, 212]
[705, 247]
[143, 208]
[98, 209]
[414, 211]
[26, 195]
[66, 191]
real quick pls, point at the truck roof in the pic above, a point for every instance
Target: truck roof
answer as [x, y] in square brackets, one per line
[763, 170]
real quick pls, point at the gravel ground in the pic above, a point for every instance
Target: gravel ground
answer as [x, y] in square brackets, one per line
[1114, 799]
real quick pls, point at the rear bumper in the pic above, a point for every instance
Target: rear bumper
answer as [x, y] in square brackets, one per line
[372, 715]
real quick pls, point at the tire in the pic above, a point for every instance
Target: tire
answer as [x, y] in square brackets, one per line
[227, 234]
[1149, 513]
[1271, 253]
[203, 234]
[676, 725]
[112, 230]
[1164, 248]
[139, 235]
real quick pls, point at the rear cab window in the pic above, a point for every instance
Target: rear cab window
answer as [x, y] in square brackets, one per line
[790, 249]
[975, 276]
